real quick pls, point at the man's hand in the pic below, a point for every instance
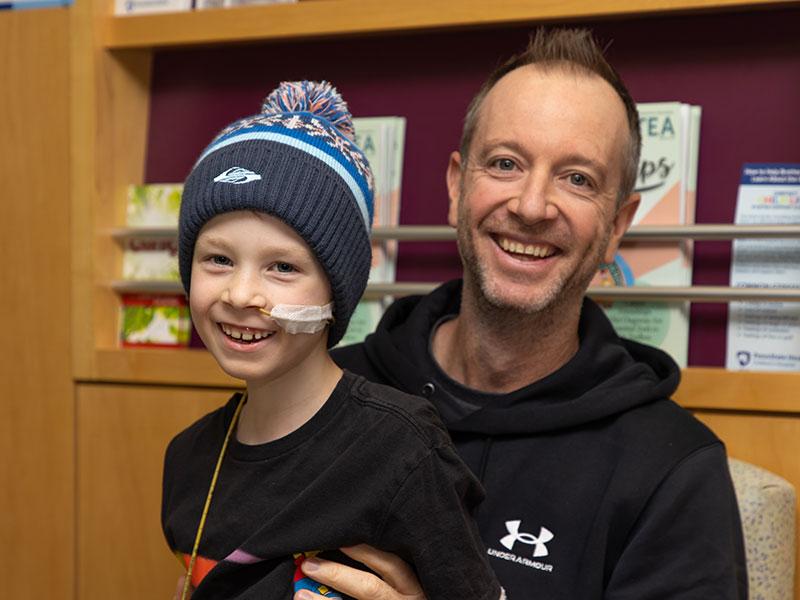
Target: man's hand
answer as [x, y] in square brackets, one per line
[396, 582]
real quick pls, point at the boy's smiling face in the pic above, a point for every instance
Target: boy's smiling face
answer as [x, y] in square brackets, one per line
[244, 261]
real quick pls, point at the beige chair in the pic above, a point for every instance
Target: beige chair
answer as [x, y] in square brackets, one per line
[767, 507]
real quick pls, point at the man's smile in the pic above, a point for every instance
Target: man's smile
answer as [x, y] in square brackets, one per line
[539, 250]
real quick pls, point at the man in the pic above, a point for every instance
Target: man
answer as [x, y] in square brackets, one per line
[598, 486]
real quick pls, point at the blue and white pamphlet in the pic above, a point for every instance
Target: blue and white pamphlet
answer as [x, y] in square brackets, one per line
[765, 336]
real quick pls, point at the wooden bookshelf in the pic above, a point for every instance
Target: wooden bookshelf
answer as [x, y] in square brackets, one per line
[111, 64]
[324, 18]
[111, 59]
[128, 402]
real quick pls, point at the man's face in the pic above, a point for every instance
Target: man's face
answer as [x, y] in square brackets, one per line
[535, 203]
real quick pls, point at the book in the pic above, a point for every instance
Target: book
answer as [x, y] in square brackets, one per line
[154, 321]
[765, 336]
[153, 205]
[667, 181]
[146, 256]
[382, 139]
[150, 259]
[207, 4]
[234, 3]
[143, 7]
[26, 4]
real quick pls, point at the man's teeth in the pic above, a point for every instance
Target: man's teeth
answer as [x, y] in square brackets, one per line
[244, 335]
[529, 249]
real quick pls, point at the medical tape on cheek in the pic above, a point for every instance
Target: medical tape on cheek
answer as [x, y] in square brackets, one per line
[300, 318]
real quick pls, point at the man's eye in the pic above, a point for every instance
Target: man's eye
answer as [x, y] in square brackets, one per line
[578, 179]
[505, 164]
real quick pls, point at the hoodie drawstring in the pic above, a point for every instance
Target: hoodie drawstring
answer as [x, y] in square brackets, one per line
[487, 447]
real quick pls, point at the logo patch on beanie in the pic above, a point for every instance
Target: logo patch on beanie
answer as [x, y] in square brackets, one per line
[237, 175]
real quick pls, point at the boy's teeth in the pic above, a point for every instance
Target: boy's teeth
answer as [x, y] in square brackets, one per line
[245, 336]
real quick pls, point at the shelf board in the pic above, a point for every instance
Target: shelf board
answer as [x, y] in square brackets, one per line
[712, 388]
[702, 388]
[163, 366]
[328, 18]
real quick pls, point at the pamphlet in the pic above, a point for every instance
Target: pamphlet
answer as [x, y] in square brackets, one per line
[765, 336]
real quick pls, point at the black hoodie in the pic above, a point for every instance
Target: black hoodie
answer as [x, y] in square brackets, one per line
[598, 485]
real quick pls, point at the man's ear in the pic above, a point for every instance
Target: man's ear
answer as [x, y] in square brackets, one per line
[622, 220]
[454, 174]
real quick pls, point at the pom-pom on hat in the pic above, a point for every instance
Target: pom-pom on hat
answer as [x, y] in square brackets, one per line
[297, 161]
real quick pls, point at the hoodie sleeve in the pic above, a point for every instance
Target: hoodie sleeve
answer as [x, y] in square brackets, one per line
[688, 541]
[430, 524]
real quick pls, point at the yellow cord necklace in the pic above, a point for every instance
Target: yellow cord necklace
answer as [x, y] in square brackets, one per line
[187, 584]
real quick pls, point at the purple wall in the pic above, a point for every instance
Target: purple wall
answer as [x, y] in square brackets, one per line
[743, 69]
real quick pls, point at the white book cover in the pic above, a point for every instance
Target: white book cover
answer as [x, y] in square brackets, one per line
[153, 205]
[147, 259]
[765, 336]
[208, 4]
[234, 3]
[142, 7]
[666, 180]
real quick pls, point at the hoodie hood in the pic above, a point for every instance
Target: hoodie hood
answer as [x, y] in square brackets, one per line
[608, 375]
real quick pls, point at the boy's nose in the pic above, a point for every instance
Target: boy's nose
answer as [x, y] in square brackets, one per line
[243, 292]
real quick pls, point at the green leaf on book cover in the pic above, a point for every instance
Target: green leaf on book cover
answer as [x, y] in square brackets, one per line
[136, 318]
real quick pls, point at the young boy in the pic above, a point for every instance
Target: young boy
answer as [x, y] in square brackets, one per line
[275, 254]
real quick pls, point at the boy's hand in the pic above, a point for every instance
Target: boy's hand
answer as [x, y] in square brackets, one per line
[179, 589]
[396, 582]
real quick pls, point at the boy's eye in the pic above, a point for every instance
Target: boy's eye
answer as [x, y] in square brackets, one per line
[283, 267]
[221, 260]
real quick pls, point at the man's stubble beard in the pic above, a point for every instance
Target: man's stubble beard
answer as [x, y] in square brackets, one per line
[561, 293]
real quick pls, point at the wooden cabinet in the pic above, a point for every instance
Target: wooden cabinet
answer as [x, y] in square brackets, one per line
[122, 436]
[36, 403]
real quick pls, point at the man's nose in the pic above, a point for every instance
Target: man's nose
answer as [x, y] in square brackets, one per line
[534, 200]
[244, 290]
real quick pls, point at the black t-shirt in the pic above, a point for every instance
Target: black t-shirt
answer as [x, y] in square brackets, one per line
[374, 465]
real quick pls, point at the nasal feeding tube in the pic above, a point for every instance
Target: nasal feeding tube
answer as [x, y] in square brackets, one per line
[300, 318]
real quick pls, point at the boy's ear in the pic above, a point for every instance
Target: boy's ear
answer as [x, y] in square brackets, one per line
[622, 221]
[454, 178]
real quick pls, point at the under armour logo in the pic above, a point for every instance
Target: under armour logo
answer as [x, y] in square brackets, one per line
[514, 535]
[237, 175]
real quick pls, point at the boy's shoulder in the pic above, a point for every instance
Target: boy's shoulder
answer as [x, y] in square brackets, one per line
[195, 437]
[410, 412]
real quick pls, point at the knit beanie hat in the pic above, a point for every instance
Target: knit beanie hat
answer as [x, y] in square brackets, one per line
[297, 161]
